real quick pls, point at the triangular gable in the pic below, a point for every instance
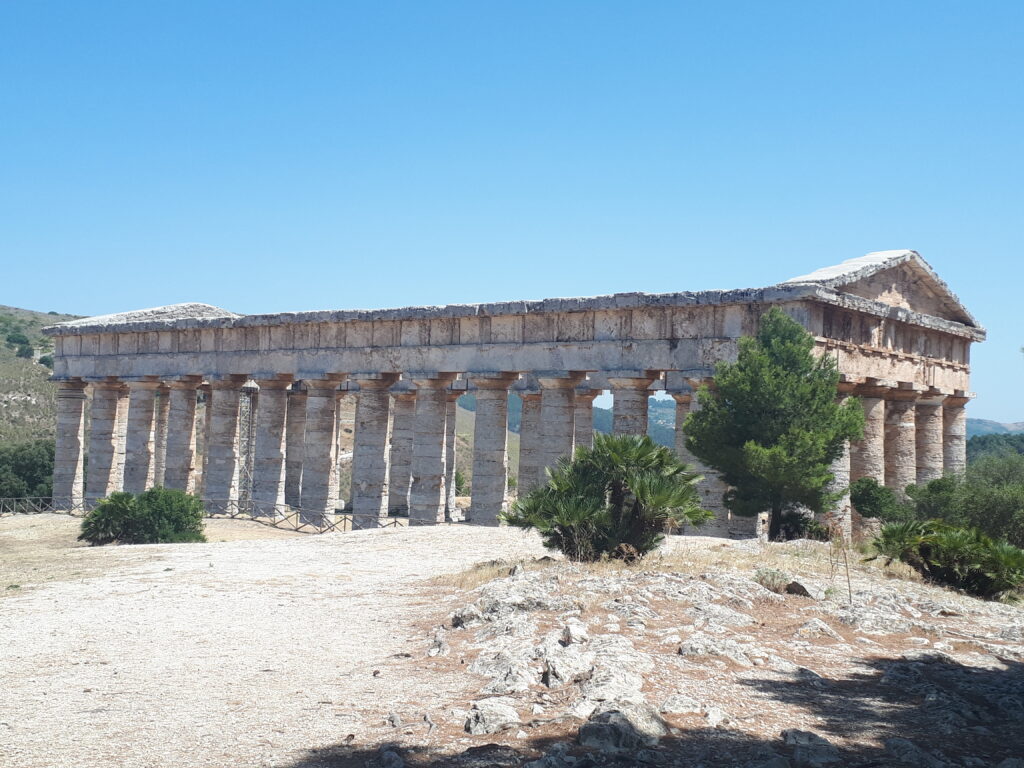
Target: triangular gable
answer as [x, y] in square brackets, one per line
[897, 278]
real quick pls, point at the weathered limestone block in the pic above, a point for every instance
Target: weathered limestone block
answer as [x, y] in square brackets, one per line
[557, 410]
[531, 460]
[268, 469]
[711, 488]
[929, 439]
[867, 456]
[163, 406]
[371, 456]
[583, 427]
[295, 438]
[103, 474]
[954, 434]
[138, 459]
[490, 442]
[220, 473]
[404, 413]
[68, 464]
[629, 406]
[427, 492]
[319, 479]
[900, 439]
[179, 464]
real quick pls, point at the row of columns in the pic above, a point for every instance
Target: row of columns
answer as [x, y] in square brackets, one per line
[143, 433]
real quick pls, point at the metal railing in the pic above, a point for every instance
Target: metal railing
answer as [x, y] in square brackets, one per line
[282, 516]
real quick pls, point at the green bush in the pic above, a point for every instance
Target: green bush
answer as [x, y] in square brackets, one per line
[17, 339]
[461, 484]
[989, 497]
[160, 515]
[615, 499]
[25, 351]
[954, 556]
[26, 469]
[876, 501]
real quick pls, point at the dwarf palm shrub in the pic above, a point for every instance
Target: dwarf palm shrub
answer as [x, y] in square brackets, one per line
[614, 499]
[160, 515]
[962, 558]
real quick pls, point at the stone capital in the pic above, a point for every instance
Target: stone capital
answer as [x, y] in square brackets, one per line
[430, 379]
[145, 382]
[586, 394]
[905, 391]
[72, 388]
[373, 381]
[282, 381]
[560, 379]
[228, 381]
[683, 398]
[184, 382]
[493, 379]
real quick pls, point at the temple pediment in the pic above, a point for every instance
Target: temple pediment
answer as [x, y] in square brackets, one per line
[897, 278]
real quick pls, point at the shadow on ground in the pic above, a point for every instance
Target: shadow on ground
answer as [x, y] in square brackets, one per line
[953, 714]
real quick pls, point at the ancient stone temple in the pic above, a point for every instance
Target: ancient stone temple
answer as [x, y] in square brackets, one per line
[270, 386]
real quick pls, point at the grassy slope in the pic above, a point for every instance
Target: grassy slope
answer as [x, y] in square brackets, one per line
[27, 398]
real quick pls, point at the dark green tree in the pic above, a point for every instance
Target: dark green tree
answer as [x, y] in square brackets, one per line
[26, 469]
[772, 426]
[615, 499]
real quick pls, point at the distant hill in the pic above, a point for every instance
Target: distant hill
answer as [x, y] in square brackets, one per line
[986, 427]
[27, 398]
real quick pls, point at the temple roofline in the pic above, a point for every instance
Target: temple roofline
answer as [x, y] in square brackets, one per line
[817, 286]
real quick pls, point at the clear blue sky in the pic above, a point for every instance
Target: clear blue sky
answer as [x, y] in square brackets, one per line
[296, 155]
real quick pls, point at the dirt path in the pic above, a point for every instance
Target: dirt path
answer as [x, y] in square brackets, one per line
[233, 653]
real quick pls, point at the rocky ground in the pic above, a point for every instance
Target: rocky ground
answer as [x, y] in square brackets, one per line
[457, 646]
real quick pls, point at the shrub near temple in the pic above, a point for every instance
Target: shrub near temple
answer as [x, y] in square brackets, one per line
[962, 558]
[160, 515]
[772, 426]
[615, 499]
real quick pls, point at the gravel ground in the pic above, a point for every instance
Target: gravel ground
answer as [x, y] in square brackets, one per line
[232, 653]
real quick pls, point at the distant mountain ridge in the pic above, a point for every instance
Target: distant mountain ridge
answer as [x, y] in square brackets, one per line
[987, 427]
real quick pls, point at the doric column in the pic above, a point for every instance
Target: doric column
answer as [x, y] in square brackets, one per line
[451, 511]
[179, 462]
[103, 474]
[319, 492]
[295, 438]
[557, 409]
[867, 456]
[711, 488]
[531, 458]
[402, 420]
[138, 454]
[490, 443]
[841, 515]
[220, 481]
[268, 466]
[583, 419]
[371, 457]
[163, 405]
[202, 438]
[900, 438]
[629, 407]
[68, 459]
[928, 419]
[954, 434]
[427, 491]
[121, 436]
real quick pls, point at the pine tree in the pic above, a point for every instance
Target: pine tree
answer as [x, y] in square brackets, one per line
[772, 426]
